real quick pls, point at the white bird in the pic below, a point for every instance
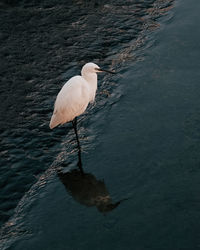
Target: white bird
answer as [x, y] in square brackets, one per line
[75, 95]
[73, 99]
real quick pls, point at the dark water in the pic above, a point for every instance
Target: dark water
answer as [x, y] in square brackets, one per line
[140, 141]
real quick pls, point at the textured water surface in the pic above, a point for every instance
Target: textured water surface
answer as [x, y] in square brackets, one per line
[140, 140]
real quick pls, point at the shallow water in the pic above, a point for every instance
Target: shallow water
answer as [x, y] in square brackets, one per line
[140, 141]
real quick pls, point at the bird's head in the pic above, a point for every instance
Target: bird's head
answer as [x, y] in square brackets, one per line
[89, 68]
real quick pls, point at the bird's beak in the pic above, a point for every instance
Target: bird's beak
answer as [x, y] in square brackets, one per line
[104, 70]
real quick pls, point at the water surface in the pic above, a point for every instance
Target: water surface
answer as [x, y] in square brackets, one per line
[140, 141]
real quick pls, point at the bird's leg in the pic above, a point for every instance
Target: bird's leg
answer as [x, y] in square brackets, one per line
[74, 123]
[80, 162]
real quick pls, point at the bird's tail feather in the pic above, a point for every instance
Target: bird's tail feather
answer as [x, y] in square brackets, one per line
[55, 121]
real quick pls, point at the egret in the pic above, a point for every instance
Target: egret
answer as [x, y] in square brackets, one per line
[74, 97]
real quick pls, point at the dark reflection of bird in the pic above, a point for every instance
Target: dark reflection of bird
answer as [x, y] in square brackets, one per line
[87, 190]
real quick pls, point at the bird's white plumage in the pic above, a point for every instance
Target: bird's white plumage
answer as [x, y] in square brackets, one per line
[75, 95]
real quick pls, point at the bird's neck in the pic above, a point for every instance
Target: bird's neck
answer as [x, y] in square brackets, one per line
[91, 78]
[92, 84]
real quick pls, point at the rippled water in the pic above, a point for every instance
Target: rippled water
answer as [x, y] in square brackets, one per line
[42, 45]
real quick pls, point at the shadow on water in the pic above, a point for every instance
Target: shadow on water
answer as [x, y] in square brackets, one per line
[85, 188]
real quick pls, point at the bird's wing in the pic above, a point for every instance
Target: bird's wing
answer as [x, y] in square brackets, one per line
[72, 100]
